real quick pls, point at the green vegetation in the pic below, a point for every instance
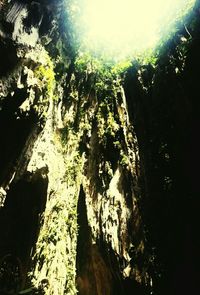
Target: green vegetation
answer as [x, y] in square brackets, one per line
[45, 74]
[55, 251]
[55, 255]
[176, 18]
[94, 97]
[39, 69]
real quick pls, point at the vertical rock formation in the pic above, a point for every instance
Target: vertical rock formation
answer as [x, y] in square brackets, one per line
[163, 106]
[66, 152]
[98, 176]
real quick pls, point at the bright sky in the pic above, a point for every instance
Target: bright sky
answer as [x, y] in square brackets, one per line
[127, 24]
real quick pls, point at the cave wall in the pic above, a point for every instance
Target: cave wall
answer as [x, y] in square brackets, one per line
[24, 203]
[31, 152]
[163, 103]
[57, 126]
[99, 177]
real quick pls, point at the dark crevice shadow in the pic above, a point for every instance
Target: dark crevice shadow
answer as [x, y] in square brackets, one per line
[19, 229]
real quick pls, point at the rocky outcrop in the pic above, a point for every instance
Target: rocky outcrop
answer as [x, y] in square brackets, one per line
[93, 162]
[32, 154]
[163, 106]
[82, 147]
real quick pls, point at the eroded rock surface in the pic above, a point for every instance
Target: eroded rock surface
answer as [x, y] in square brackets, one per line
[98, 178]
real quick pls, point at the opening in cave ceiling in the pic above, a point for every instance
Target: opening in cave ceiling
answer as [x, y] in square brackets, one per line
[119, 29]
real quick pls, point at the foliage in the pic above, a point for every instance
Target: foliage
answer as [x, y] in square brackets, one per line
[55, 248]
[45, 74]
[60, 227]
[39, 70]
[106, 121]
[102, 57]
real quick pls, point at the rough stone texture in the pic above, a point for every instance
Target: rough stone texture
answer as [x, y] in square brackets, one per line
[163, 103]
[66, 146]
[32, 151]
[98, 186]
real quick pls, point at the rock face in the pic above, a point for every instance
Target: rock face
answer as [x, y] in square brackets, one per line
[98, 179]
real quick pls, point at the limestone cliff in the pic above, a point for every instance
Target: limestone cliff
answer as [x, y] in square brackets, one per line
[98, 172]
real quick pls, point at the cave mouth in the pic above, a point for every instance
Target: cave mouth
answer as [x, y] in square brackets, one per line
[125, 28]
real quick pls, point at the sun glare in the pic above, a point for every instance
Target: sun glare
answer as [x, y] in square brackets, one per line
[128, 25]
